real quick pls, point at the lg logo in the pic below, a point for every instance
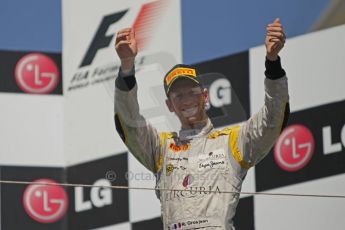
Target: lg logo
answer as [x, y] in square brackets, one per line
[219, 93]
[45, 203]
[295, 146]
[37, 73]
[99, 196]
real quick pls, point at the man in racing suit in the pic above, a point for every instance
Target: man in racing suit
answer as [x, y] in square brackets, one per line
[196, 165]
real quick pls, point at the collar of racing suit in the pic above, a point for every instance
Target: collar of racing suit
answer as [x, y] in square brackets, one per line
[188, 134]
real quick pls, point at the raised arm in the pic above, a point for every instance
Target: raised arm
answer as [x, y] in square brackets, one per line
[252, 140]
[140, 137]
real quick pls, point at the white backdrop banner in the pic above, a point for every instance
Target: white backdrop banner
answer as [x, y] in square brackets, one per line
[315, 68]
[90, 65]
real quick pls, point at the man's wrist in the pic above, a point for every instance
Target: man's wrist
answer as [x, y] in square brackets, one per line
[126, 80]
[126, 72]
[127, 65]
[271, 57]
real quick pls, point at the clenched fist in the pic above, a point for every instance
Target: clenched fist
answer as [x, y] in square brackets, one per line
[126, 48]
[275, 39]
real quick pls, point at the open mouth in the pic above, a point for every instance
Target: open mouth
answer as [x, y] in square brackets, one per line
[190, 111]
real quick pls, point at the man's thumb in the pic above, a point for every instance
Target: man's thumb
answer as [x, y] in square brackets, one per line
[277, 20]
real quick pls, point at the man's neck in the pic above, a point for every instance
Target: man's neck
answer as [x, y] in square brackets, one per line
[195, 125]
[196, 129]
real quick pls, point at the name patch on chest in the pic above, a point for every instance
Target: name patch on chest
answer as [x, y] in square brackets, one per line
[212, 160]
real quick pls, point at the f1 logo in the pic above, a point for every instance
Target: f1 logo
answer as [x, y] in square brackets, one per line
[294, 148]
[142, 25]
[100, 39]
[45, 203]
[37, 73]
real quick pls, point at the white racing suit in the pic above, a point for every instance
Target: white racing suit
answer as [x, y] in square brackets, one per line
[196, 166]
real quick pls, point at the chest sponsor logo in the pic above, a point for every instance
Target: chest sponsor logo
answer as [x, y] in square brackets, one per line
[187, 180]
[179, 148]
[214, 159]
[170, 168]
[212, 164]
[192, 192]
[178, 159]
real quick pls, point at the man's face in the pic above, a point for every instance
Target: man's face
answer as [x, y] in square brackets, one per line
[187, 100]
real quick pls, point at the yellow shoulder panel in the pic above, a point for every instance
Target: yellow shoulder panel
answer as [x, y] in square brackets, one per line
[217, 133]
[235, 150]
[159, 164]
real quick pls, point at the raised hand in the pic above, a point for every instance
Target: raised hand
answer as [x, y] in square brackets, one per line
[126, 48]
[275, 39]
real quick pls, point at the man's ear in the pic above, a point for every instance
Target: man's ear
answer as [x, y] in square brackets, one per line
[205, 93]
[169, 105]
